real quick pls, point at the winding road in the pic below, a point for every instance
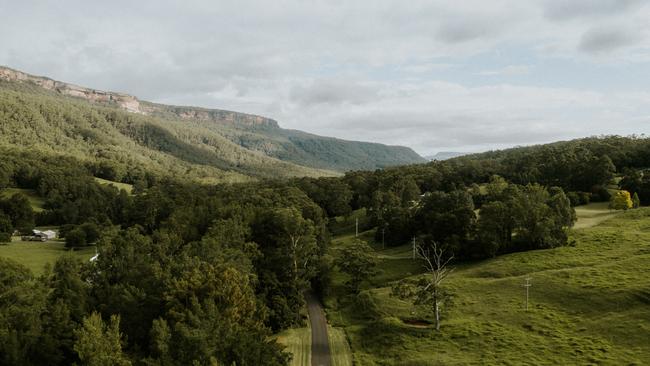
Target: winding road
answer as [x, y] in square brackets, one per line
[320, 347]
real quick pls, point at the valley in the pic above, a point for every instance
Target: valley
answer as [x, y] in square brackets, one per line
[207, 229]
[330, 183]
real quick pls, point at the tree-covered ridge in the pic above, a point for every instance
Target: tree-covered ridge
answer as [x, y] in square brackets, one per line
[129, 142]
[241, 142]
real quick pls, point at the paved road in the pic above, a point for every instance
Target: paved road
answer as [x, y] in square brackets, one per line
[320, 347]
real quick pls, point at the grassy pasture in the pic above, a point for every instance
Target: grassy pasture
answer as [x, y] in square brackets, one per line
[341, 354]
[593, 214]
[589, 303]
[127, 187]
[35, 255]
[297, 342]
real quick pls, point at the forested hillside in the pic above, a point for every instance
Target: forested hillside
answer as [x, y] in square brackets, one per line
[188, 273]
[504, 181]
[40, 113]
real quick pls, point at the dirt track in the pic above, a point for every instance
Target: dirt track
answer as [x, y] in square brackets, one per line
[320, 347]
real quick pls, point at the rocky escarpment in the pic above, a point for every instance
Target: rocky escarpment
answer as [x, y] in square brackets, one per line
[132, 104]
[212, 115]
[124, 101]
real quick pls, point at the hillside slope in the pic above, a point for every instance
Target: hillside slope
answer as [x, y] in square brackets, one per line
[247, 139]
[118, 143]
[588, 305]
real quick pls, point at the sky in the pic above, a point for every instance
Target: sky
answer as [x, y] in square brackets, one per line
[432, 75]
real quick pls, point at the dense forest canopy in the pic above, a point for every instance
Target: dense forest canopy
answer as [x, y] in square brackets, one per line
[195, 273]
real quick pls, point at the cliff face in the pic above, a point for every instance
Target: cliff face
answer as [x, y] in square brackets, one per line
[124, 101]
[212, 115]
[131, 104]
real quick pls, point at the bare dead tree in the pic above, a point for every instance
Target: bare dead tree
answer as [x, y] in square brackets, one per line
[436, 266]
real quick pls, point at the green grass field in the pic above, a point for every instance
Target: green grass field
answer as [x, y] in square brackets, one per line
[593, 214]
[297, 342]
[127, 187]
[589, 304]
[339, 347]
[35, 255]
[34, 199]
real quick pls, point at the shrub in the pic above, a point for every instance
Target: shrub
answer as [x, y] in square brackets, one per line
[574, 198]
[65, 229]
[621, 201]
[5, 238]
[91, 230]
[76, 238]
[600, 194]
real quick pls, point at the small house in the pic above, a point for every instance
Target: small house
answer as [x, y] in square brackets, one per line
[38, 235]
[50, 234]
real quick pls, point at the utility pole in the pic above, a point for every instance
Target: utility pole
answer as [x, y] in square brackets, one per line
[527, 286]
[414, 247]
[356, 230]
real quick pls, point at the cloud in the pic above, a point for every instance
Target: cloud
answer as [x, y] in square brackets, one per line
[428, 74]
[599, 40]
[510, 70]
[561, 10]
[333, 92]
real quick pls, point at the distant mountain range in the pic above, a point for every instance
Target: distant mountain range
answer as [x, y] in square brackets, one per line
[444, 155]
[113, 126]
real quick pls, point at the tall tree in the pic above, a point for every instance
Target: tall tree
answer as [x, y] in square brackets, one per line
[18, 208]
[100, 344]
[357, 261]
[447, 218]
[496, 224]
[428, 290]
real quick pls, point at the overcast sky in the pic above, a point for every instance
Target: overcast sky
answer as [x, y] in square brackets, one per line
[432, 75]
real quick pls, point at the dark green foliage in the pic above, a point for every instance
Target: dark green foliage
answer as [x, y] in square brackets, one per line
[19, 210]
[67, 304]
[357, 261]
[21, 305]
[447, 218]
[289, 249]
[528, 217]
[495, 227]
[539, 224]
[584, 165]
[6, 228]
[637, 182]
[76, 238]
[91, 231]
[109, 170]
[100, 344]
[579, 198]
[332, 194]
[393, 219]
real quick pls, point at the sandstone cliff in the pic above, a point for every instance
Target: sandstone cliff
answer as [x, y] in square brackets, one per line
[131, 104]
